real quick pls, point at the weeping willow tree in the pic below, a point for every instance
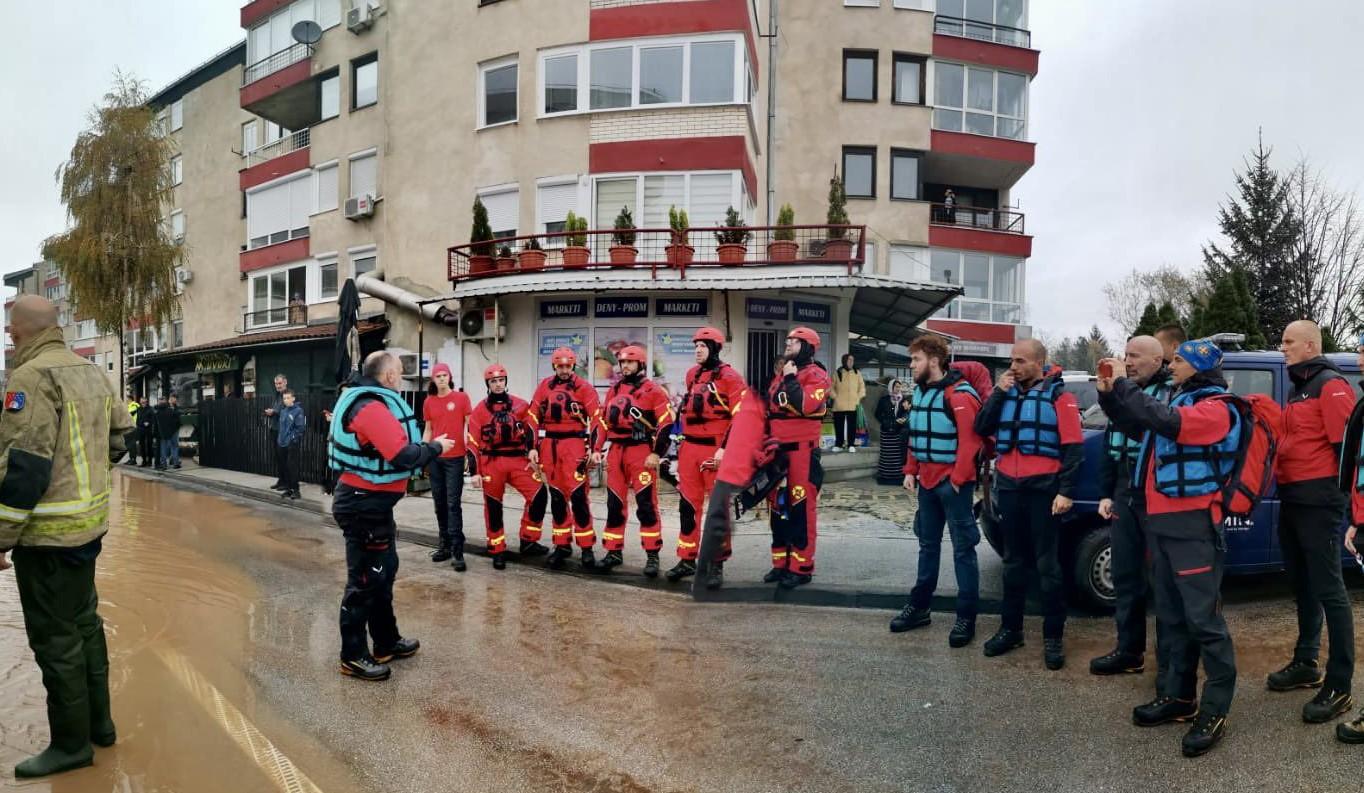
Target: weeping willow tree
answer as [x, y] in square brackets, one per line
[117, 254]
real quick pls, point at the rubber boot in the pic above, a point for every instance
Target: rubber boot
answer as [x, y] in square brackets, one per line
[70, 746]
[102, 732]
[651, 564]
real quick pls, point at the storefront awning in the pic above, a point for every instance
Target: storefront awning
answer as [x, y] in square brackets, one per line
[890, 309]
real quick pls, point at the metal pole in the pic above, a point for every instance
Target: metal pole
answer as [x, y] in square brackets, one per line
[421, 341]
[771, 106]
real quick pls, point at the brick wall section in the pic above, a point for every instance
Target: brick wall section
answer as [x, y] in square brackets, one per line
[702, 122]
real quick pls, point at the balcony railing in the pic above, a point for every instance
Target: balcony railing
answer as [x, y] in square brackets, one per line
[273, 63]
[277, 148]
[273, 318]
[1005, 220]
[657, 249]
[982, 31]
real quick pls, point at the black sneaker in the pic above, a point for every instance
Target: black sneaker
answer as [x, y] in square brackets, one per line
[294, 494]
[1326, 705]
[1164, 710]
[1002, 642]
[365, 668]
[458, 563]
[589, 561]
[963, 631]
[403, 648]
[442, 554]
[1053, 653]
[651, 564]
[774, 575]
[792, 580]
[532, 548]
[1118, 663]
[610, 560]
[1298, 674]
[1351, 731]
[716, 577]
[559, 557]
[681, 570]
[499, 563]
[909, 618]
[275, 486]
[1207, 730]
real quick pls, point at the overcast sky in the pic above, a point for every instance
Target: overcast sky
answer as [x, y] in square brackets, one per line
[1141, 113]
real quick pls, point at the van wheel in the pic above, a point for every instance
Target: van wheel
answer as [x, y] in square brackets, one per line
[1093, 570]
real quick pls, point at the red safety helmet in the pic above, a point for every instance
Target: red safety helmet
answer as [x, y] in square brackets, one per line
[495, 370]
[564, 355]
[709, 334]
[806, 335]
[633, 352]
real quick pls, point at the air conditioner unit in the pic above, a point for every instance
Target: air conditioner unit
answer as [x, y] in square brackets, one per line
[360, 207]
[183, 276]
[476, 324]
[360, 18]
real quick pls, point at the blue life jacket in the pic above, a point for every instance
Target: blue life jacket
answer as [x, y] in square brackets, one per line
[346, 453]
[1028, 420]
[932, 425]
[1121, 448]
[1186, 471]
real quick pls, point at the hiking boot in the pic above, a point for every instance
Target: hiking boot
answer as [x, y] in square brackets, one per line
[589, 561]
[403, 648]
[499, 563]
[792, 580]
[1298, 674]
[442, 554]
[774, 575]
[909, 618]
[651, 564]
[1053, 653]
[681, 570]
[365, 668]
[963, 631]
[1164, 710]
[610, 560]
[1002, 642]
[1118, 663]
[559, 557]
[1207, 730]
[716, 577]
[532, 548]
[1326, 705]
[294, 494]
[1351, 731]
[458, 563]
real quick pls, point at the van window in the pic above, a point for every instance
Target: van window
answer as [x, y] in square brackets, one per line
[1250, 381]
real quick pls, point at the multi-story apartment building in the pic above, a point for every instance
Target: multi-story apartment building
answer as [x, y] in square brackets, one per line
[355, 145]
[45, 279]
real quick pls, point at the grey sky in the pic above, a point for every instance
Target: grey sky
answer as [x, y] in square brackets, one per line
[1141, 111]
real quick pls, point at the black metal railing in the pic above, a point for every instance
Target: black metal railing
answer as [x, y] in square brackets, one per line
[272, 63]
[654, 250]
[278, 317]
[1005, 220]
[982, 31]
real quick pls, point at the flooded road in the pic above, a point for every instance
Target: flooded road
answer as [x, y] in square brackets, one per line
[223, 641]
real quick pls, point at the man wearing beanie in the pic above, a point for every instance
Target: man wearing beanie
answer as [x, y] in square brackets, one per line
[1188, 448]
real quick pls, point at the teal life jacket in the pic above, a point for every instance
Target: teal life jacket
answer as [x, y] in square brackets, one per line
[931, 424]
[346, 453]
[1184, 471]
[1028, 420]
[1119, 447]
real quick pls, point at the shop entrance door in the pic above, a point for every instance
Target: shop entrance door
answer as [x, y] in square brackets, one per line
[764, 347]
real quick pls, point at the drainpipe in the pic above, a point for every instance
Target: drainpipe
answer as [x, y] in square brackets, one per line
[771, 106]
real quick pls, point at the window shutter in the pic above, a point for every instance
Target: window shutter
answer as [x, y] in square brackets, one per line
[556, 201]
[503, 210]
[300, 202]
[364, 176]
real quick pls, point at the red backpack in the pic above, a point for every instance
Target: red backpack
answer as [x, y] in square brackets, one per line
[978, 376]
[1253, 472]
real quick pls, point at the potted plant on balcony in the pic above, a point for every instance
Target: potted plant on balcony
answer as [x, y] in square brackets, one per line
[679, 252]
[838, 247]
[480, 241]
[783, 247]
[505, 261]
[576, 252]
[733, 240]
[532, 256]
[623, 250]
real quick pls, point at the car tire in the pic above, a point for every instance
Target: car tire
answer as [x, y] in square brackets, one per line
[1092, 569]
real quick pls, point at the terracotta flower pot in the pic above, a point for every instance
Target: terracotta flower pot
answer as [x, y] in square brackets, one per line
[532, 260]
[506, 264]
[680, 256]
[732, 255]
[576, 256]
[838, 250]
[479, 265]
[782, 250]
[624, 255]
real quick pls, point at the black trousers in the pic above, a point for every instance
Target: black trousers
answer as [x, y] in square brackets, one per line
[151, 453]
[1186, 576]
[1030, 545]
[447, 487]
[845, 427]
[1128, 542]
[285, 465]
[371, 568]
[1311, 543]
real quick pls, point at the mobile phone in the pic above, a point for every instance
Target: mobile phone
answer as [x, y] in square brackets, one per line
[1105, 370]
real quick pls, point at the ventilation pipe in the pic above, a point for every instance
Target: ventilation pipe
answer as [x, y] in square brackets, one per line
[372, 284]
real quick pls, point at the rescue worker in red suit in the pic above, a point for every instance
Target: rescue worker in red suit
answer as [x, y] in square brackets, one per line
[564, 412]
[501, 437]
[796, 407]
[714, 392]
[637, 419]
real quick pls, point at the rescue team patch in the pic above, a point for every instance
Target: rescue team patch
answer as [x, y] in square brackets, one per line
[14, 400]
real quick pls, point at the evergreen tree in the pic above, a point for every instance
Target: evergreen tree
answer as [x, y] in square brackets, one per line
[1262, 231]
[1094, 349]
[1150, 320]
[1228, 308]
[1167, 315]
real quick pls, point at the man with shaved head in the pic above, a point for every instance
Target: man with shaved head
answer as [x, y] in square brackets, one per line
[1144, 361]
[1036, 425]
[1311, 513]
[61, 430]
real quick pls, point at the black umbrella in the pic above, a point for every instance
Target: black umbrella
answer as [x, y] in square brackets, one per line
[347, 337]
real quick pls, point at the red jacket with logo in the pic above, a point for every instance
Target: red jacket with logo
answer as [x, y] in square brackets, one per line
[560, 406]
[628, 402]
[796, 404]
[500, 425]
[1314, 420]
[713, 397]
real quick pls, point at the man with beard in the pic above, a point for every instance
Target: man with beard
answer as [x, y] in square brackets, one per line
[942, 465]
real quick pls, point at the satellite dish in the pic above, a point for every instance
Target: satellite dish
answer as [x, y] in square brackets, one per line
[307, 32]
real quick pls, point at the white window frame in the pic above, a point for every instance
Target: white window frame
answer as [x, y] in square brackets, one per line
[318, 207]
[953, 309]
[335, 79]
[177, 115]
[275, 183]
[940, 104]
[180, 236]
[583, 190]
[177, 169]
[483, 69]
[739, 93]
[862, 3]
[315, 277]
[266, 272]
[361, 252]
[483, 193]
[737, 189]
[350, 164]
[254, 138]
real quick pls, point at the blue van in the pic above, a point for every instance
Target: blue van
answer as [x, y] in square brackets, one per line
[1252, 545]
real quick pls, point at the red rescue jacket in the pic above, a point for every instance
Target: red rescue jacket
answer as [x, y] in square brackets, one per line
[564, 407]
[713, 397]
[796, 404]
[500, 427]
[636, 412]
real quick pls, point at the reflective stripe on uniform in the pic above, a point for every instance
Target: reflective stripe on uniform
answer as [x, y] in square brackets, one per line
[12, 514]
[78, 460]
[71, 507]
